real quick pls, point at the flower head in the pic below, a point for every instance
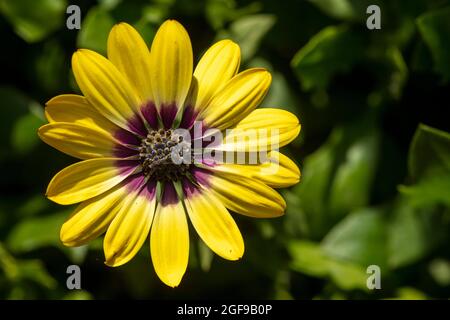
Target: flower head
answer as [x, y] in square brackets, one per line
[159, 143]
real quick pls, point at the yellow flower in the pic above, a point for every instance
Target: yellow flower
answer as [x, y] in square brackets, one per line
[124, 129]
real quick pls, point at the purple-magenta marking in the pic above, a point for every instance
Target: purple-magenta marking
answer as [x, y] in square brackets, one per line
[150, 114]
[134, 182]
[137, 125]
[126, 137]
[168, 113]
[149, 190]
[201, 175]
[189, 116]
[121, 151]
[169, 195]
[127, 167]
[189, 188]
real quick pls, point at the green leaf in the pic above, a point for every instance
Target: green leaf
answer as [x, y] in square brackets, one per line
[248, 32]
[20, 119]
[35, 271]
[337, 178]
[429, 191]
[50, 67]
[312, 192]
[296, 221]
[390, 69]
[429, 152]
[309, 258]
[220, 12]
[434, 27]
[36, 233]
[8, 264]
[354, 10]
[32, 206]
[429, 168]
[348, 276]
[335, 49]
[350, 188]
[34, 20]
[20, 270]
[359, 238]
[95, 29]
[24, 136]
[412, 233]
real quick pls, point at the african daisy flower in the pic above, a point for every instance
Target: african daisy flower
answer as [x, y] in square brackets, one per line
[124, 128]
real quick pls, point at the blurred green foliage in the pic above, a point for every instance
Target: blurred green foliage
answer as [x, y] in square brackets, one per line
[374, 149]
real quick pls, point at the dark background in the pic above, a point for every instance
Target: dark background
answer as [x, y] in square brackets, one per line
[373, 150]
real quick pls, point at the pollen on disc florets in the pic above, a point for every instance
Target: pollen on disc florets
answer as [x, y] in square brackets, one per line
[157, 154]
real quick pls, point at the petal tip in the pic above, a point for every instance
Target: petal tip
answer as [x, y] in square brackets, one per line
[80, 51]
[40, 131]
[229, 42]
[119, 26]
[170, 24]
[83, 53]
[114, 261]
[267, 75]
[235, 255]
[65, 238]
[55, 199]
[172, 281]
[264, 75]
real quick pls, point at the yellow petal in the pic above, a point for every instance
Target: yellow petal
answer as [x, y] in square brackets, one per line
[105, 88]
[171, 65]
[247, 196]
[76, 109]
[169, 242]
[241, 95]
[214, 224]
[86, 179]
[92, 217]
[276, 170]
[263, 129]
[129, 53]
[77, 140]
[130, 227]
[218, 65]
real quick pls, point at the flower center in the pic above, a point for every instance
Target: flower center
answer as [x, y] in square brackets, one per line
[161, 154]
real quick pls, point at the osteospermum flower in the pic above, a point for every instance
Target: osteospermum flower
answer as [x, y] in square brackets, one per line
[123, 128]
